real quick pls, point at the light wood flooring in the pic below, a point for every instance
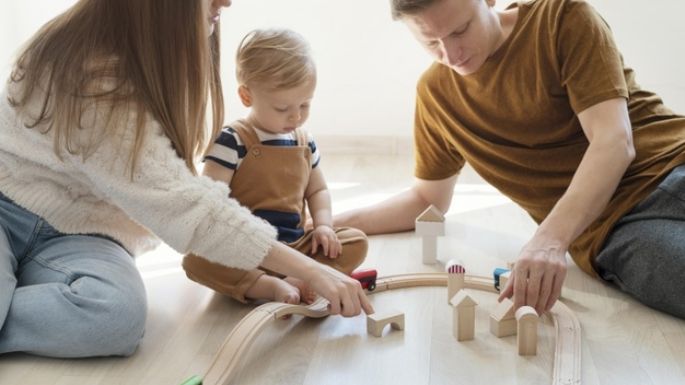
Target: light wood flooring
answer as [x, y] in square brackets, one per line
[623, 341]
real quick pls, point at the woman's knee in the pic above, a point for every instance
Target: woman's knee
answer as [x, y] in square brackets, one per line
[128, 326]
[117, 318]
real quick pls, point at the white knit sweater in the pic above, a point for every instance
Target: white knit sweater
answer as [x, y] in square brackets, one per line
[192, 214]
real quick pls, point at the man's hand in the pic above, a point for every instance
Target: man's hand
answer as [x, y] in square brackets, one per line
[538, 275]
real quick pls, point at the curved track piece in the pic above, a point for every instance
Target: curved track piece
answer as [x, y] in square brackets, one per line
[239, 340]
[567, 354]
[566, 358]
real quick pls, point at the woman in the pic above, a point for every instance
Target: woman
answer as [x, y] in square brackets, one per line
[100, 124]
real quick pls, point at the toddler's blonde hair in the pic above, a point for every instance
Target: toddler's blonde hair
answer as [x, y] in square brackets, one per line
[278, 57]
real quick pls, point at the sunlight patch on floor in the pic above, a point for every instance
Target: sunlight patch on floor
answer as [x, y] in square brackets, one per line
[467, 197]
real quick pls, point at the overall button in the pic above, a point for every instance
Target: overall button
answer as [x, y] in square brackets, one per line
[256, 152]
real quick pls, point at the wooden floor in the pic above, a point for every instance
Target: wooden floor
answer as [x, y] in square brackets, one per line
[623, 341]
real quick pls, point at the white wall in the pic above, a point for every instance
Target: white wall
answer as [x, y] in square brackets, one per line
[368, 64]
[650, 36]
[19, 20]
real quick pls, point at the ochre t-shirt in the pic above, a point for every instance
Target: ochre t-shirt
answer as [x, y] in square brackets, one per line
[515, 119]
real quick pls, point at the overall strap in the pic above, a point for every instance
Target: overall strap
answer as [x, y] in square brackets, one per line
[301, 137]
[247, 134]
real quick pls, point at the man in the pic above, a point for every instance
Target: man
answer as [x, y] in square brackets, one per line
[537, 100]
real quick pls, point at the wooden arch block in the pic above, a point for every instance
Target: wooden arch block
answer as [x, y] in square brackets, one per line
[376, 322]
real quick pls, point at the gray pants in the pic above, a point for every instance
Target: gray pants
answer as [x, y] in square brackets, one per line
[645, 253]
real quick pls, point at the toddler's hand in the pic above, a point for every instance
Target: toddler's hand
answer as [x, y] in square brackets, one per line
[325, 237]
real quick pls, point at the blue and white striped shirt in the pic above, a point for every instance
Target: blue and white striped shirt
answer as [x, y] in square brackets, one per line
[228, 150]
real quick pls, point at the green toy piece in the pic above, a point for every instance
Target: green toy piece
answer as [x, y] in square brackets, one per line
[194, 380]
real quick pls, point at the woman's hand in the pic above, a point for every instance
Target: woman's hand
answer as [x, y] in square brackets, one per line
[344, 293]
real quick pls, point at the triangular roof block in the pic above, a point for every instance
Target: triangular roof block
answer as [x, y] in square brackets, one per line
[463, 299]
[431, 214]
[503, 310]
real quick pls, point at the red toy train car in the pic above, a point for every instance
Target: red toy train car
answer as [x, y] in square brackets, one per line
[367, 277]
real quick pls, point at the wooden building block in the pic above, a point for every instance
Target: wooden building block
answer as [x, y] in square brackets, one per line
[432, 229]
[503, 319]
[431, 214]
[456, 275]
[429, 225]
[464, 316]
[429, 249]
[527, 331]
[376, 322]
[503, 328]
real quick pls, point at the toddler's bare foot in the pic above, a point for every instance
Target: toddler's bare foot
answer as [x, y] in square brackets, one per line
[307, 294]
[285, 292]
[273, 289]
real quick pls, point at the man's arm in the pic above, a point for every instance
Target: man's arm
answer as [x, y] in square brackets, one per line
[542, 260]
[399, 212]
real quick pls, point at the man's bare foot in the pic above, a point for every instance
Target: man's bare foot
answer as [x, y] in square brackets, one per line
[307, 294]
[273, 289]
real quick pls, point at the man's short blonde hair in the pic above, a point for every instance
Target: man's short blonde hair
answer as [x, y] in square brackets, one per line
[278, 57]
[401, 8]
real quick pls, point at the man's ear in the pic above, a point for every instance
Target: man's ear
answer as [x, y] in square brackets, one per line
[245, 95]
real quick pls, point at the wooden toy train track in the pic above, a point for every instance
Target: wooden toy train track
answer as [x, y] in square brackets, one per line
[225, 364]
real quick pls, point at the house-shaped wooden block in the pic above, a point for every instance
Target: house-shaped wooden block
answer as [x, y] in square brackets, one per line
[464, 316]
[431, 222]
[429, 225]
[503, 320]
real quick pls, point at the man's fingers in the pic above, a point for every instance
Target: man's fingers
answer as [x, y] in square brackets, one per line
[508, 289]
[545, 292]
[533, 288]
[520, 287]
[556, 289]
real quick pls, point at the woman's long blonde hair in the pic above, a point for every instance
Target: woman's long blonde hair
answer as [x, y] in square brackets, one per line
[157, 52]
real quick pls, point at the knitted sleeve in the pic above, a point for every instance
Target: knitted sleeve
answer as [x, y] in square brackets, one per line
[193, 214]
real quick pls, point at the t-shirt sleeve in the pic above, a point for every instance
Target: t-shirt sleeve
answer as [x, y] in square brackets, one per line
[591, 65]
[436, 158]
[316, 155]
[227, 149]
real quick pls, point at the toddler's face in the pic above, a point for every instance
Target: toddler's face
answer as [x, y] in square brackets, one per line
[281, 111]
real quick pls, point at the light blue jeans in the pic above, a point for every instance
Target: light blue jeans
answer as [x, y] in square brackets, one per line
[65, 295]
